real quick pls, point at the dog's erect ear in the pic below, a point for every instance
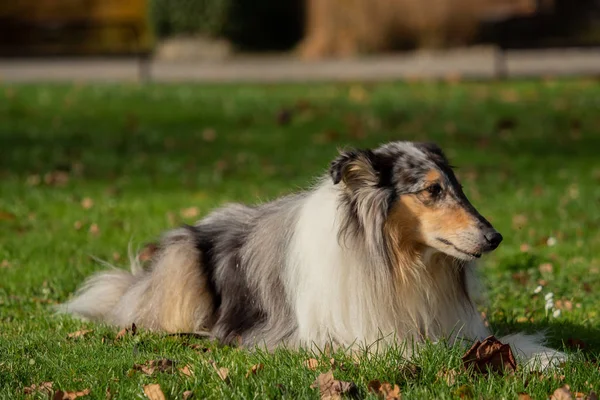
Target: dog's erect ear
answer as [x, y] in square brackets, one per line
[355, 168]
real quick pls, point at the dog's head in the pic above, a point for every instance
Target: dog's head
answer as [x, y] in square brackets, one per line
[412, 189]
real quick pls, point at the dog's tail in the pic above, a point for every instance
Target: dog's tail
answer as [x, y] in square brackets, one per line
[170, 295]
[531, 350]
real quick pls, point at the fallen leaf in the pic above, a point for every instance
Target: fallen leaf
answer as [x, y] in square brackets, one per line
[311, 364]
[562, 393]
[384, 390]
[331, 388]
[123, 332]
[7, 216]
[490, 354]
[221, 372]
[42, 387]
[80, 333]
[209, 135]
[60, 395]
[154, 392]
[160, 365]
[186, 370]
[94, 229]
[33, 180]
[56, 178]
[190, 212]
[78, 225]
[87, 203]
[524, 247]
[254, 370]
[524, 396]
[188, 394]
[5, 264]
[592, 396]
[545, 268]
[564, 305]
[449, 376]
[464, 392]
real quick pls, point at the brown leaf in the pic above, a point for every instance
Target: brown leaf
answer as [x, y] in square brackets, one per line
[490, 354]
[449, 376]
[221, 372]
[384, 390]
[45, 387]
[331, 388]
[190, 212]
[562, 393]
[123, 332]
[5, 264]
[94, 229]
[78, 334]
[185, 370]
[7, 216]
[188, 394]
[56, 178]
[311, 364]
[524, 396]
[60, 395]
[154, 392]
[545, 268]
[254, 370]
[160, 365]
[209, 135]
[87, 203]
[592, 396]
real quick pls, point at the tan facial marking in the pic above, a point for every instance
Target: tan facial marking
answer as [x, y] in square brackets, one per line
[433, 176]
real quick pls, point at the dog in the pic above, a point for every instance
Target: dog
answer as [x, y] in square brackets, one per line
[381, 250]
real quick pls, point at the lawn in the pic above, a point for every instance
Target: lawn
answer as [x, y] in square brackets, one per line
[87, 170]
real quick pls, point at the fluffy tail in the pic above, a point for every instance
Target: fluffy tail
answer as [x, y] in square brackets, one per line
[170, 295]
[530, 350]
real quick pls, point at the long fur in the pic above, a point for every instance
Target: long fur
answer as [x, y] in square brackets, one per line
[323, 266]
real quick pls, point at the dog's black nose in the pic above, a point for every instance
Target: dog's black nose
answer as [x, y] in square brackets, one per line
[494, 238]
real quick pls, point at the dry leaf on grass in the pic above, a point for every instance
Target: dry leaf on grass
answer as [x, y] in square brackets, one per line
[7, 216]
[186, 370]
[254, 370]
[87, 203]
[188, 394]
[77, 334]
[562, 393]
[524, 396]
[384, 390]
[152, 366]
[449, 376]
[154, 392]
[490, 354]
[123, 332]
[311, 364]
[60, 395]
[42, 387]
[331, 388]
[190, 212]
[221, 372]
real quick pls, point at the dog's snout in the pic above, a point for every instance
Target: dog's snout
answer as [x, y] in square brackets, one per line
[493, 238]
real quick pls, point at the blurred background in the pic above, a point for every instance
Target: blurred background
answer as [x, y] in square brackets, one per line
[217, 30]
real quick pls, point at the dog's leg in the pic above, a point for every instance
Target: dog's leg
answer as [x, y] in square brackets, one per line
[171, 295]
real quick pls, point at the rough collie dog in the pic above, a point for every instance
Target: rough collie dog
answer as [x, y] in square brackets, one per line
[381, 250]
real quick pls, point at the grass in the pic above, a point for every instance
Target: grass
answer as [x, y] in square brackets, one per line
[133, 157]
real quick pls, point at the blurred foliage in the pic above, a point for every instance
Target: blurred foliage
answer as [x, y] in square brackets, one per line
[249, 24]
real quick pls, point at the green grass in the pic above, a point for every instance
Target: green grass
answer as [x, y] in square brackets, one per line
[527, 154]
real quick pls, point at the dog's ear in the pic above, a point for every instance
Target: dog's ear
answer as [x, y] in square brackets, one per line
[355, 168]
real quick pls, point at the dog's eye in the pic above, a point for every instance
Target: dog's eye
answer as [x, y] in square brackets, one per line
[435, 190]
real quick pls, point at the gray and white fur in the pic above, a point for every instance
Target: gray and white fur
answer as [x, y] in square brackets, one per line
[380, 250]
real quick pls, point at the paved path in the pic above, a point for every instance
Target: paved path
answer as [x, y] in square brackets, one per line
[474, 63]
